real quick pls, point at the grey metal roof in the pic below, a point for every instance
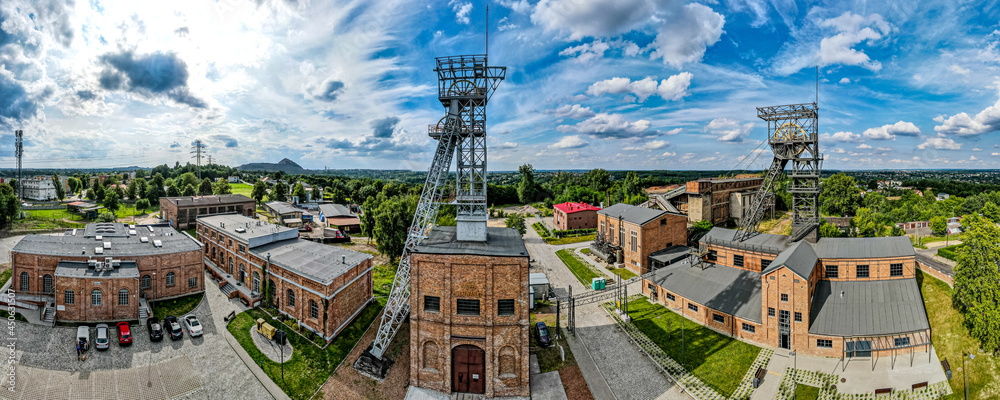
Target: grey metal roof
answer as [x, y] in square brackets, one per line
[106, 229]
[671, 254]
[335, 210]
[255, 232]
[79, 269]
[79, 245]
[537, 278]
[318, 262]
[800, 258]
[893, 246]
[500, 242]
[724, 236]
[730, 290]
[189, 201]
[282, 207]
[630, 213]
[867, 308]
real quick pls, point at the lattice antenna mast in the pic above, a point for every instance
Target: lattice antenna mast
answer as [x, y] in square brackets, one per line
[209, 159]
[792, 134]
[465, 84]
[196, 149]
[19, 152]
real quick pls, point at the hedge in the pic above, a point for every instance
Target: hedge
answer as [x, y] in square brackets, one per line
[574, 232]
[950, 252]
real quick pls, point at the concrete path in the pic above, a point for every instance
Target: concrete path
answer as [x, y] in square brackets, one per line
[547, 386]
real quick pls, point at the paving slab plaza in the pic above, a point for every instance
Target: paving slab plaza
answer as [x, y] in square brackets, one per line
[204, 367]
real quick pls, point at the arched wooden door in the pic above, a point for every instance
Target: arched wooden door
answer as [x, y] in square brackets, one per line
[468, 369]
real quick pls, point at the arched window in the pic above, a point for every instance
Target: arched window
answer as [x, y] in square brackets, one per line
[213, 252]
[123, 297]
[230, 265]
[243, 274]
[508, 362]
[25, 280]
[256, 282]
[430, 357]
[95, 297]
[313, 309]
[70, 297]
[47, 283]
[291, 298]
[147, 282]
[170, 279]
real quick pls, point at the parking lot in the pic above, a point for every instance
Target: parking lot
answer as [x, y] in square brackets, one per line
[215, 366]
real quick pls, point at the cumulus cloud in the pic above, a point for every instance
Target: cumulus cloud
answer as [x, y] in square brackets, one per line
[889, 132]
[940, 144]
[687, 34]
[569, 142]
[228, 141]
[995, 154]
[597, 18]
[840, 137]
[462, 10]
[962, 124]
[151, 75]
[574, 111]
[330, 90]
[852, 29]
[729, 130]
[650, 145]
[518, 6]
[508, 145]
[586, 52]
[845, 80]
[672, 88]
[384, 128]
[15, 102]
[864, 146]
[611, 126]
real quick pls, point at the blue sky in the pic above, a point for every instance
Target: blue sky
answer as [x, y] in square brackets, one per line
[615, 84]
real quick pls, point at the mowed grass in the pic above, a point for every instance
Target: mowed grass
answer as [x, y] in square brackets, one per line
[5, 276]
[718, 360]
[310, 365]
[125, 211]
[549, 358]
[577, 267]
[570, 239]
[951, 339]
[178, 307]
[625, 273]
[241, 188]
[806, 392]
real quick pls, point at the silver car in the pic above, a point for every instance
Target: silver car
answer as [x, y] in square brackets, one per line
[193, 325]
[103, 340]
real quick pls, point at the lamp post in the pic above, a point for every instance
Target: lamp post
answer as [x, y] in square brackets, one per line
[683, 350]
[267, 289]
[796, 366]
[965, 361]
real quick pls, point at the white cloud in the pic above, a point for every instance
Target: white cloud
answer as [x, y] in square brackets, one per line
[673, 131]
[958, 70]
[972, 158]
[940, 144]
[574, 111]
[685, 36]
[845, 80]
[838, 151]
[977, 149]
[508, 145]
[505, 25]
[610, 125]
[852, 29]
[669, 154]
[569, 142]
[597, 18]
[586, 52]
[461, 10]
[518, 6]
[650, 145]
[864, 146]
[962, 124]
[840, 137]
[729, 130]
[672, 88]
[995, 154]
[889, 132]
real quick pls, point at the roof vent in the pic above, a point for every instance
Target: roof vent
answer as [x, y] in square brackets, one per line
[131, 232]
[131, 226]
[241, 230]
[91, 263]
[150, 228]
[157, 243]
[99, 250]
[343, 259]
[74, 232]
[99, 237]
[107, 245]
[841, 294]
[144, 239]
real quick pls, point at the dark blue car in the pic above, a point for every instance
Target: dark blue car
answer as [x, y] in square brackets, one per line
[543, 334]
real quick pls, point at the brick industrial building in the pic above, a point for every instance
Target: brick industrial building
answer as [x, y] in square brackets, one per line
[469, 313]
[713, 199]
[183, 212]
[341, 217]
[99, 273]
[323, 287]
[839, 297]
[571, 215]
[630, 234]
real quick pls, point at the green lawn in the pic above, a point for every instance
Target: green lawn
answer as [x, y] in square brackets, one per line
[549, 358]
[540, 229]
[577, 267]
[241, 188]
[951, 339]
[950, 252]
[718, 360]
[585, 251]
[625, 273]
[126, 211]
[382, 279]
[4, 276]
[309, 366]
[806, 392]
[178, 307]
[570, 239]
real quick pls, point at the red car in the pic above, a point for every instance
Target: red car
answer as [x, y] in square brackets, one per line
[124, 334]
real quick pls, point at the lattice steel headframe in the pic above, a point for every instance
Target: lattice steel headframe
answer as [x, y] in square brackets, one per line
[792, 133]
[465, 84]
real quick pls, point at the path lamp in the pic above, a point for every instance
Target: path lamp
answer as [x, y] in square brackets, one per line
[966, 370]
[796, 367]
[683, 350]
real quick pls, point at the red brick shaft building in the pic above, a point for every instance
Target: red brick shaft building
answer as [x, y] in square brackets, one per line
[570, 215]
[469, 314]
[634, 233]
[183, 212]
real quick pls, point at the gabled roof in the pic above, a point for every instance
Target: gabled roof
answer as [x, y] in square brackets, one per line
[867, 308]
[875, 247]
[766, 241]
[800, 258]
[730, 290]
[282, 207]
[571, 207]
[633, 214]
[186, 201]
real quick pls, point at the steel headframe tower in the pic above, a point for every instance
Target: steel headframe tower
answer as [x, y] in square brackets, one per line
[19, 152]
[465, 84]
[792, 134]
[196, 149]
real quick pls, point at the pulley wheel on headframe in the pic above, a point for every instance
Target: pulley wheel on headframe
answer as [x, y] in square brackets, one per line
[443, 124]
[790, 132]
[462, 87]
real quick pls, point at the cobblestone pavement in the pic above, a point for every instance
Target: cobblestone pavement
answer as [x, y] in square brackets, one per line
[222, 374]
[165, 380]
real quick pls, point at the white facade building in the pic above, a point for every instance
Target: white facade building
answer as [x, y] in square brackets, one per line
[39, 189]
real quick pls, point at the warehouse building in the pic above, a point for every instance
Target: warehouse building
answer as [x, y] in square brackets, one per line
[571, 215]
[105, 271]
[839, 297]
[183, 212]
[713, 199]
[629, 234]
[323, 287]
[340, 216]
[285, 213]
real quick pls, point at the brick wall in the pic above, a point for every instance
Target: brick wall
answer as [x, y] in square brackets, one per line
[108, 311]
[578, 220]
[878, 268]
[655, 235]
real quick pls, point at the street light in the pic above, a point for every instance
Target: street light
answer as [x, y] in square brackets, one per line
[966, 371]
[796, 367]
[683, 350]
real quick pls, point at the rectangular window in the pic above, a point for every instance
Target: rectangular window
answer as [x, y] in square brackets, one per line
[764, 264]
[432, 304]
[784, 297]
[505, 307]
[243, 249]
[861, 271]
[770, 311]
[663, 221]
[718, 318]
[798, 316]
[651, 287]
[738, 260]
[824, 343]
[831, 271]
[602, 228]
[713, 255]
[749, 328]
[895, 269]
[192, 282]
[902, 341]
[671, 297]
[635, 242]
[467, 307]
[692, 307]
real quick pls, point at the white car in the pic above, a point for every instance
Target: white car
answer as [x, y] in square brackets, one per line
[103, 339]
[193, 325]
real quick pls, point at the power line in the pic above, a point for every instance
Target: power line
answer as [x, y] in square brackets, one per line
[197, 147]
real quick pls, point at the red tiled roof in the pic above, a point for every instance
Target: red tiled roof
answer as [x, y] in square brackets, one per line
[75, 203]
[570, 207]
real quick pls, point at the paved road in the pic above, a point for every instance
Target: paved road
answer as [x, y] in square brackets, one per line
[930, 258]
[612, 366]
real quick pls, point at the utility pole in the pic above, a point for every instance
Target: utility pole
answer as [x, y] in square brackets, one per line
[19, 152]
[196, 149]
[209, 159]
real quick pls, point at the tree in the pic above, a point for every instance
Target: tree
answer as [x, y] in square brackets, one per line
[221, 186]
[187, 178]
[840, 195]
[10, 206]
[155, 189]
[516, 221]
[142, 205]
[391, 227]
[368, 211]
[526, 187]
[173, 191]
[829, 230]
[991, 211]
[205, 188]
[110, 201]
[189, 190]
[259, 190]
[598, 179]
[867, 224]
[14, 184]
[300, 192]
[60, 190]
[106, 217]
[977, 273]
[279, 193]
[337, 196]
[939, 225]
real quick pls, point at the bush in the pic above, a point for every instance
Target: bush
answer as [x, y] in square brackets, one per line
[574, 232]
[544, 233]
[106, 217]
[950, 252]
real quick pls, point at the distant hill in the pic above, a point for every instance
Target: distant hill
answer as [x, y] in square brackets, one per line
[285, 165]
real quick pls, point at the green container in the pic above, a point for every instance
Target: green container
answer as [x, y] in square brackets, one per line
[595, 283]
[604, 283]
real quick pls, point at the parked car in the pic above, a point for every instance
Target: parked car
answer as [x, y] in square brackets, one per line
[173, 327]
[83, 337]
[543, 334]
[124, 334]
[155, 329]
[103, 340]
[193, 326]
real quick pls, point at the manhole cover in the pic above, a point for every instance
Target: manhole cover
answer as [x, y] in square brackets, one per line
[842, 380]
